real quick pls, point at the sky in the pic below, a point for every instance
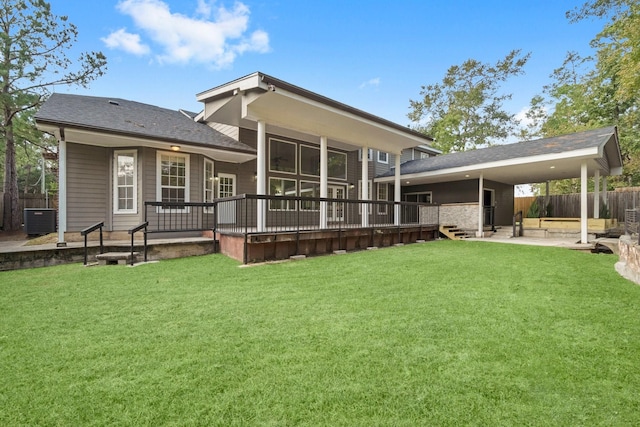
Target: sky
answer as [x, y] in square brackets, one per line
[372, 55]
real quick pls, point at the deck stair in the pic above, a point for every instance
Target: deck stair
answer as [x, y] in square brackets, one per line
[453, 232]
[114, 258]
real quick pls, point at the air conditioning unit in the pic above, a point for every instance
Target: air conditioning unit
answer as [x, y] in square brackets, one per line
[39, 221]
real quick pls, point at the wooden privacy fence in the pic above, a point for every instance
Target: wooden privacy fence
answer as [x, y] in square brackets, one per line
[26, 201]
[568, 205]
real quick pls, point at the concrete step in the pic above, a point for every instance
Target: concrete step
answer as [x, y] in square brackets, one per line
[114, 258]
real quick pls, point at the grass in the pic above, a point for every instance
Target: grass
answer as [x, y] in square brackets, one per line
[442, 333]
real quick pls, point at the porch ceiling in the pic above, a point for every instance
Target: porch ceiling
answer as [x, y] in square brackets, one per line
[527, 171]
[112, 140]
[287, 107]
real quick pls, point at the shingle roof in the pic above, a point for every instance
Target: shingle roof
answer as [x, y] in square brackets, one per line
[120, 116]
[554, 145]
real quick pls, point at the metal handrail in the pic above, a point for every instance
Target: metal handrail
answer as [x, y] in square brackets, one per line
[88, 230]
[132, 231]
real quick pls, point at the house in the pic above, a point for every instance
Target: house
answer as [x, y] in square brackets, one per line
[259, 135]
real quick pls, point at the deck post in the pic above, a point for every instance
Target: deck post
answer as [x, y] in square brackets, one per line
[324, 159]
[261, 179]
[583, 204]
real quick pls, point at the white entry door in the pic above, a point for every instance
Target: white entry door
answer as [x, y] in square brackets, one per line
[335, 210]
[226, 188]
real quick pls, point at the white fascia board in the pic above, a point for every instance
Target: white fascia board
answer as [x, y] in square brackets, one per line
[251, 81]
[585, 153]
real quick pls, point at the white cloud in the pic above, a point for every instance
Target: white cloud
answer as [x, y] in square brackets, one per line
[128, 42]
[375, 82]
[215, 37]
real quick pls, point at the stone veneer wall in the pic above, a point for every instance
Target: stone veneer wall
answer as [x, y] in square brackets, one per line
[628, 265]
[463, 215]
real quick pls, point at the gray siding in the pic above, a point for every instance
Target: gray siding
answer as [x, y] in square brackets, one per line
[88, 178]
[467, 192]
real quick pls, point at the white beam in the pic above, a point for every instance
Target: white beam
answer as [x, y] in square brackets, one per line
[480, 206]
[397, 188]
[583, 204]
[324, 159]
[261, 182]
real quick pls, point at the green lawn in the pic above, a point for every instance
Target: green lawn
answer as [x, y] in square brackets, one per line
[441, 333]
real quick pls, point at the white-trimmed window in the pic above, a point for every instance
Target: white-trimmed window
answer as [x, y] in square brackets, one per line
[208, 192]
[383, 157]
[125, 182]
[383, 195]
[337, 165]
[209, 182]
[309, 161]
[309, 189]
[282, 187]
[172, 177]
[424, 155]
[282, 156]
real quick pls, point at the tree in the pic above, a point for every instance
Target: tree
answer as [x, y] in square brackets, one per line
[602, 90]
[33, 42]
[465, 110]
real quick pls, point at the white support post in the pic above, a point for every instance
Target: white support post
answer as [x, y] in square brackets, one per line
[261, 181]
[605, 199]
[324, 159]
[480, 231]
[365, 186]
[584, 238]
[62, 190]
[596, 194]
[397, 190]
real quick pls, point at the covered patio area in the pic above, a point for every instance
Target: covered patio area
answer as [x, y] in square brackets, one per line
[483, 180]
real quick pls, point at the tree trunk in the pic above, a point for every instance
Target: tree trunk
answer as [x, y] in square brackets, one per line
[12, 217]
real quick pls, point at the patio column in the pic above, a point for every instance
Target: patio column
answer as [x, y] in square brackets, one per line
[261, 182]
[324, 158]
[596, 194]
[364, 187]
[62, 189]
[605, 199]
[583, 204]
[396, 191]
[480, 206]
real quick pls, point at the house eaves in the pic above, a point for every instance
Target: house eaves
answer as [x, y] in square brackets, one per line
[118, 122]
[525, 162]
[260, 97]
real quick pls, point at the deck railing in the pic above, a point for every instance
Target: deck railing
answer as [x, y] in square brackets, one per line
[250, 213]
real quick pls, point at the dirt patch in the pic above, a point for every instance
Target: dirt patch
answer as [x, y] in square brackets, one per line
[41, 240]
